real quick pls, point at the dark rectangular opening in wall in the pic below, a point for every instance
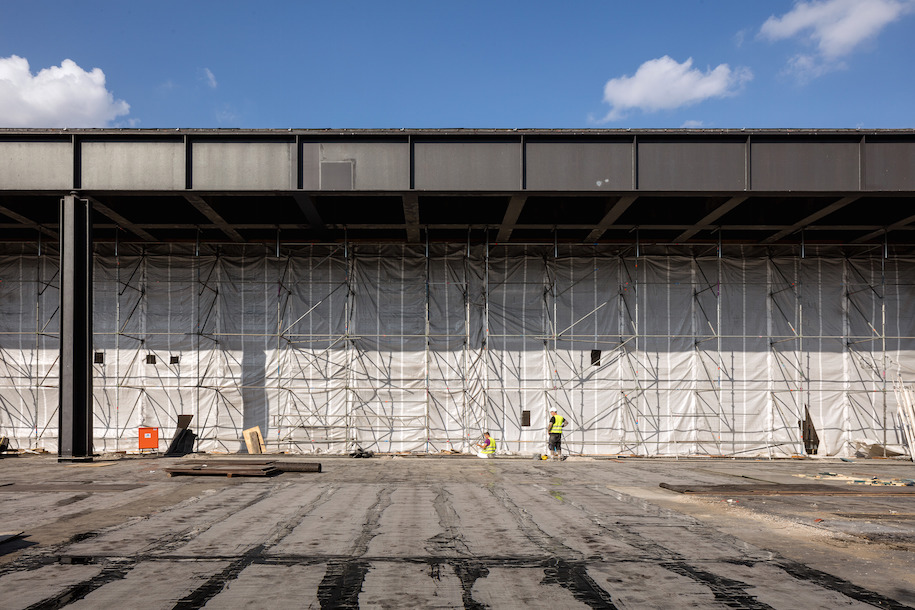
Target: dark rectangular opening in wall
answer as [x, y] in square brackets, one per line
[150, 359]
[595, 357]
[173, 360]
[99, 358]
[525, 418]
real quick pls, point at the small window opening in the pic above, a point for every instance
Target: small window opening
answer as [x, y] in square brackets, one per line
[173, 360]
[595, 357]
[525, 418]
[150, 359]
[99, 358]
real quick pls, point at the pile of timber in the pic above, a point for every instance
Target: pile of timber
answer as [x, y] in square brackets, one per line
[241, 468]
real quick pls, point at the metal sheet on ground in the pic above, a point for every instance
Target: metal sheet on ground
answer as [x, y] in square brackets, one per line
[696, 543]
[647, 586]
[183, 578]
[498, 534]
[29, 511]
[258, 523]
[522, 587]
[67, 487]
[278, 587]
[409, 526]
[561, 520]
[798, 489]
[25, 588]
[165, 531]
[334, 527]
[410, 585]
[228, 471]
[773, 586]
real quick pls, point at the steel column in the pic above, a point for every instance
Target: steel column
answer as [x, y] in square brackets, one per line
[75, 407]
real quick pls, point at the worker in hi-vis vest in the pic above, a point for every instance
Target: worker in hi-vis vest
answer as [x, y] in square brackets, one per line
[488, 446]
[554, 429]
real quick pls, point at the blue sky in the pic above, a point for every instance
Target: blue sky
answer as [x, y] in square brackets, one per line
[458, 64]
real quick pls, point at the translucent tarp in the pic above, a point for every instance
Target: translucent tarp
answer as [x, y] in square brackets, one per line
[401, 348]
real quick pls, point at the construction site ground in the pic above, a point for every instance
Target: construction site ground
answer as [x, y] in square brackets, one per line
[459, 532]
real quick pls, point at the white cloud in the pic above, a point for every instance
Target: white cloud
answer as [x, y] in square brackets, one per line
[664, 84]
[692, 124]
[226, 115]
[739, 38]
[210, 78]
[59, 96]
[835, 27]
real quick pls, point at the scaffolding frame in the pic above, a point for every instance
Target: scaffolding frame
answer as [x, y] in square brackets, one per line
[326, 382]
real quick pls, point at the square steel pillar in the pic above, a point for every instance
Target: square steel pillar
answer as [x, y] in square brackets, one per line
[75, 408]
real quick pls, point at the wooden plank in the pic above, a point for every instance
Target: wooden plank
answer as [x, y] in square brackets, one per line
[254, 440]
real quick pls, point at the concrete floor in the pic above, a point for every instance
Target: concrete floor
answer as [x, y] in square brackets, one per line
[452, 532]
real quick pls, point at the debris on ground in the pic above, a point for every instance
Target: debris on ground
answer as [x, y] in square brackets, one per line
[865, 448]
[859, 479]
[361, 453]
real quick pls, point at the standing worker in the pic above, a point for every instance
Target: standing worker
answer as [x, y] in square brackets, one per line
[554, 429]
[488, 446]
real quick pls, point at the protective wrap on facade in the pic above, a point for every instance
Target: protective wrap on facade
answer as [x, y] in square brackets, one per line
[422, 348]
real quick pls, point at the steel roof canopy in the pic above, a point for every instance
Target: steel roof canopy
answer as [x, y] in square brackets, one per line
[586, 186]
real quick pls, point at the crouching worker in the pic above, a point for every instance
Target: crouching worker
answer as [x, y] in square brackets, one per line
[487, 447]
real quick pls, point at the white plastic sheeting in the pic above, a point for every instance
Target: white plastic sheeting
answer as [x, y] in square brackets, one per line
[416, 348]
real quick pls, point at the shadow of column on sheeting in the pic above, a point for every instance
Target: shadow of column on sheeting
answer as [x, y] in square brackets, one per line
[254, 390]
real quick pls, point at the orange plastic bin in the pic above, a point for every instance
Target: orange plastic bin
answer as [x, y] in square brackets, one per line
[149, 438]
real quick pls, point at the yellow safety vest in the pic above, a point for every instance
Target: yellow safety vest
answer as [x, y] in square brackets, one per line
[491, 447]
[558, 420]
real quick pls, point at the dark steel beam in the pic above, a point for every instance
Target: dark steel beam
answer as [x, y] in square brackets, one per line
[411, 217]
[711, 217]
[74, 413]
[879, 232]
[493, 161]
[512, 212]
[570, 226]
[27, 222]
[307, 205]
[802, 223]
[204, 208]
[612, 215]
[122, 222]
